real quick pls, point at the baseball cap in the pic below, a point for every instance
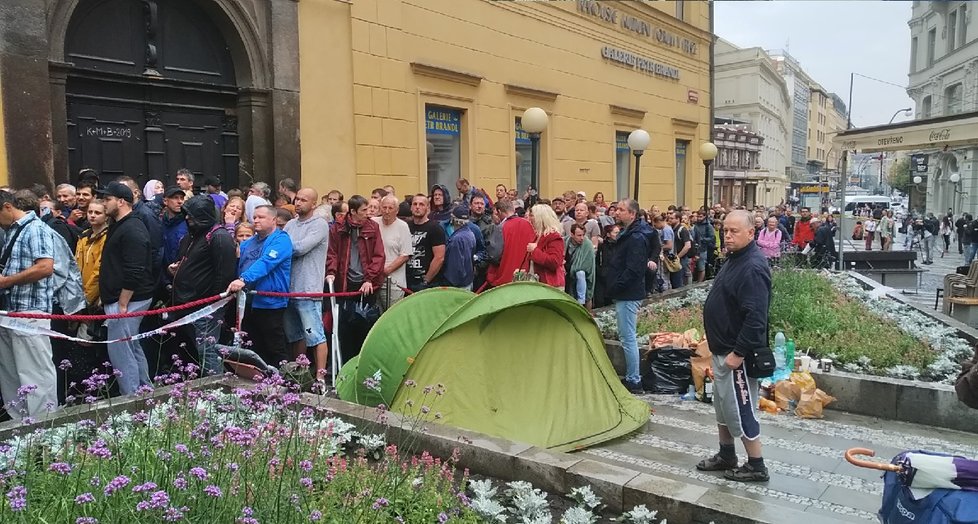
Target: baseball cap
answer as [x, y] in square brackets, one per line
[461, 212]
[118, 190]
[173, 191]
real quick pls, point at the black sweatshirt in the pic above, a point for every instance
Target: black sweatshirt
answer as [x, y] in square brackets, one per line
[735, 315]
[126, 261]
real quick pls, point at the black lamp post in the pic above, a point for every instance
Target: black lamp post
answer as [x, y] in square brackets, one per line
[534, 121]
[708, 152]
[638, 141]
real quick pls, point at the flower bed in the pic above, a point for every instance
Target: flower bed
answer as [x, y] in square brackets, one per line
[830, 315]
[248, 456]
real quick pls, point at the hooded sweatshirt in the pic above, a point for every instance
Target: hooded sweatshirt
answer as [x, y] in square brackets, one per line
[208, 261]
[444, 213]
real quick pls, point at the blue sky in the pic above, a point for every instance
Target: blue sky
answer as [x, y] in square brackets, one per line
[831, 39]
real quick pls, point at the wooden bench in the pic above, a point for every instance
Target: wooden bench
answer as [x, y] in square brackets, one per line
[967, 314]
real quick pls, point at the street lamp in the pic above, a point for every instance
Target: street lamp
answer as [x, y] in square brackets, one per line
[906, 112]
[708, 152]
[638, 140]
[534, 121]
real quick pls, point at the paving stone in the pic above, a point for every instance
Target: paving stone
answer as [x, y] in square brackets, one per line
[607, 480]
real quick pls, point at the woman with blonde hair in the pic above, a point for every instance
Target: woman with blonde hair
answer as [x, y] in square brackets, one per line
[546, 253]
[233, 213]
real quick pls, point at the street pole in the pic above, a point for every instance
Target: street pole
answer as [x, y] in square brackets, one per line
[638, 160]
[708, 186]
[849, 107]
[535, 161]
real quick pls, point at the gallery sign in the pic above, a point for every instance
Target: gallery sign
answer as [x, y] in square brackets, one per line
[639, 63]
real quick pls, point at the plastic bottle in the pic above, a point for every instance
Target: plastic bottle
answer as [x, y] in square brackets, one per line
[779, 351]
[789, 354]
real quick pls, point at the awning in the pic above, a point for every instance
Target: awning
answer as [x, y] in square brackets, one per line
[932, 133]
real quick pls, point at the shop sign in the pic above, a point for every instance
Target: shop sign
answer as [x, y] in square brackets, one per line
[636, 25]
[441, 121]
[639, 63]
[919, 162]
[522, 137]
[621, 143]
[814, 188]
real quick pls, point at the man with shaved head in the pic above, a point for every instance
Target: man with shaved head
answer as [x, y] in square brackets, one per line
[735, 317]
[309, 234]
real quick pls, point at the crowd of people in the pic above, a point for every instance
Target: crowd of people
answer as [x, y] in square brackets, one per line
[145, 247]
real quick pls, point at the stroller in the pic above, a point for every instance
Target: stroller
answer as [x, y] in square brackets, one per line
[925, 488]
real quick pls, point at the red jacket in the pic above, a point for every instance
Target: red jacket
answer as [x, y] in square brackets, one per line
[803, 234]
[548, 260]
[517, 233]
[370, 246]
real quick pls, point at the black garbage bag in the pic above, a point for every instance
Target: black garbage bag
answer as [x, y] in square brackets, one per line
[668, 371]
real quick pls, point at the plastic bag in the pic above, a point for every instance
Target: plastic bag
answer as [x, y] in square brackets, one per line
[804, 380]
[669, 371]
[812, 403]
[786, 392]
[768, 405]
[700, 362]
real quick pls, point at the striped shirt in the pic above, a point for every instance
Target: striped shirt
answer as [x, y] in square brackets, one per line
[35, 242]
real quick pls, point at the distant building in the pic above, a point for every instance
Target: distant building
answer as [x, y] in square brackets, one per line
[738, 178]
[943, 81]
[750, 90]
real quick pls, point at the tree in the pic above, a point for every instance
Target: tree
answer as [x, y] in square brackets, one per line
[899, 175]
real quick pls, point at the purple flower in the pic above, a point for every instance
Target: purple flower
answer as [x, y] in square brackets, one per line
[315, 516]
[23, 391]
[86, 520]
[306, 465]
[302, 361]
[99, 449]
[60, 467]
[233, 466]
[442, 518]
[64, 365]
[181, 448]
[174, 514]
[84, 498]
[212, 491]
[116, 484]
[17, 498]
[199, 472]
[380, 503]
[306, 482]
[149, 486]
[180, 483]
[158, 500]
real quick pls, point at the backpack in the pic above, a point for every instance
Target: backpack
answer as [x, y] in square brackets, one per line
[966, 385]
[69, 292]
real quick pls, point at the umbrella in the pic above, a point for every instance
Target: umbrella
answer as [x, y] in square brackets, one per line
[922, 472]
[335, 350]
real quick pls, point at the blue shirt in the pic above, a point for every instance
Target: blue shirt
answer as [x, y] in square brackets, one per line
[266, 265]
[34, 243]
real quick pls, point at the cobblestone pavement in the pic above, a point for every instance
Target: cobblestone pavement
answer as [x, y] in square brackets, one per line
[933, 276]
[805, 457]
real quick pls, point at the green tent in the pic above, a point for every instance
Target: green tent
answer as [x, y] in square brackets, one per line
[522, 361]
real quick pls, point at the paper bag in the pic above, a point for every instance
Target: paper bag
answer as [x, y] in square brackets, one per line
[699, 363]
[784, 392]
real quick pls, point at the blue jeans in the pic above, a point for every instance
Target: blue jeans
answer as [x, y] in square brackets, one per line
[627, 313]
[969, 253]
[580, 289]
[208, 333]
[304, 321]
[128, 357]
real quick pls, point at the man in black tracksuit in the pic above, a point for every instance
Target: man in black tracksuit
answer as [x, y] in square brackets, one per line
[206, 264]
[126, 284]
[735, 318]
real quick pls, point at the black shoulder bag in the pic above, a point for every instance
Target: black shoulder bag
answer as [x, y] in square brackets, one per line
[760, 361]
[4, 258]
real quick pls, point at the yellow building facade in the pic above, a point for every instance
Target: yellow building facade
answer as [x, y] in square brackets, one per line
[417, 92]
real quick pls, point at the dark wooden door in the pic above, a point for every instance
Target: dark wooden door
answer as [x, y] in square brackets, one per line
[152, 90]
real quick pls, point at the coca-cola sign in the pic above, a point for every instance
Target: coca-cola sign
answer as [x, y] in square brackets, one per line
[940, 135]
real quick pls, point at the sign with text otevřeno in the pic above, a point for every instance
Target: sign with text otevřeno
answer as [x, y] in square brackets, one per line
[441, 121]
